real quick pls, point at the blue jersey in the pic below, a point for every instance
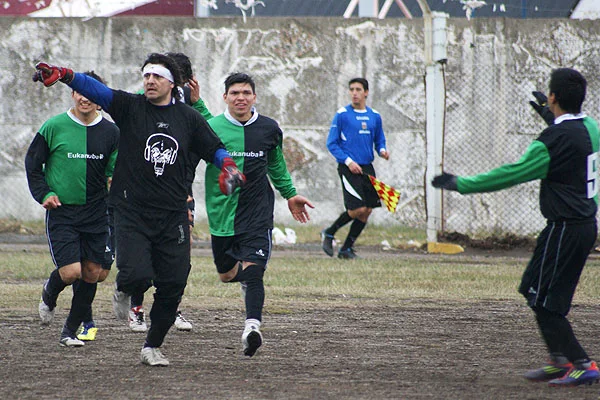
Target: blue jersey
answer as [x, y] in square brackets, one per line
[354, 134]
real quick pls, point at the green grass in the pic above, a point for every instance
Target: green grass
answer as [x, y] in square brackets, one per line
[302, 278]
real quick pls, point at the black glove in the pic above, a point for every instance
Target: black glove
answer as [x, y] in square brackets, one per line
[49, 74]
[541, 107]
[230, 177]
[445, 181]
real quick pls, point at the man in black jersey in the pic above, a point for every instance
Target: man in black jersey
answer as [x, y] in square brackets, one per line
[148, 192]
[565, 158]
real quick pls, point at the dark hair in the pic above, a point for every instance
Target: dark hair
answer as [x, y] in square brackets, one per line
[184, 63]
[362, 81]
[569, 88]
[239, 77]
[95, 76]
[171, 65]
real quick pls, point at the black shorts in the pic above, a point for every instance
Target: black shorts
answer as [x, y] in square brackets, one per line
[109, 251]
[254, 247]
[358, 190]
[151, 245]
[551, 276]
[77, 233]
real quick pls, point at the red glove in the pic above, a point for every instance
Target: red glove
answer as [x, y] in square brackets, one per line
[230, 177]
[49, 74]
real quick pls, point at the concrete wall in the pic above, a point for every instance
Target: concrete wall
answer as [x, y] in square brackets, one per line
[301, 67]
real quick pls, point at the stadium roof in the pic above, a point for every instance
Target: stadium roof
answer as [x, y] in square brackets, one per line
[580, 9]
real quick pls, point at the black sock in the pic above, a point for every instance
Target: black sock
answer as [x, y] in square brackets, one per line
[87, 316]
[137, 299]
[52, 289]
[252, 276]
[355, 229]
[82, 301]
[342, 220]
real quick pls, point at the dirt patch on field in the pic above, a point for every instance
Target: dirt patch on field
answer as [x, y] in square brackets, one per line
[413, 350]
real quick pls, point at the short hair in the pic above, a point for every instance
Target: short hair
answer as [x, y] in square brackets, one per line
[362, 81]
[569, 88]
[239, 77]
[95, 76]
[171, 65]
[184, 63]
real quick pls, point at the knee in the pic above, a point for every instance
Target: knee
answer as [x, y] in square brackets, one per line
[229, 275]
[70, 273]
[103, 275]
[362, 213]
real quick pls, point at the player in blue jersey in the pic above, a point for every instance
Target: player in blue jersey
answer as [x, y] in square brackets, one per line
[356, 130]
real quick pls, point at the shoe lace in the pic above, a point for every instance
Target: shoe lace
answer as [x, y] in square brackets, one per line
[139, 317]
[181, 317]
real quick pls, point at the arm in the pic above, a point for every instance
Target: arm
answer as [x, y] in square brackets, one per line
[97, 92]
[334, 139]
[36, 157]
[279, 175]
[532, 165]
[379, 139]
[196, 100]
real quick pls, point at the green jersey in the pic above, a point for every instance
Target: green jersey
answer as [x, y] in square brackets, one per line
[565, 158]
[72, 160]
[256, 149]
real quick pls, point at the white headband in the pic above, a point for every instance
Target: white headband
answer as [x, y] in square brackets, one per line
[158, 69]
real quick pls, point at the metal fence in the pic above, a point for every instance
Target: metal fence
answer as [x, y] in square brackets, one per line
[487, 125]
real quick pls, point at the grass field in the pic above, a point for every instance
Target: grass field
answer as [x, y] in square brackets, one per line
[366, 329]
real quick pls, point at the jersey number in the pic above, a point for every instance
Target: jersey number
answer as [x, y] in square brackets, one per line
[592, 175]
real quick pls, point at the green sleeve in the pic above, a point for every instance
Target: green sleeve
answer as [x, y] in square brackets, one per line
[279, 175]
[532, 165]
[202, 109]
[110, 166]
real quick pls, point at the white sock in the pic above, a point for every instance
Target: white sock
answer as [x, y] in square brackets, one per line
[252, 322]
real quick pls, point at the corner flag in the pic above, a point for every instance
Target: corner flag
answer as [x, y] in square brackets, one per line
[386, 193]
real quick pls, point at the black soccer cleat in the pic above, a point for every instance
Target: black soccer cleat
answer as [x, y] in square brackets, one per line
[327, 242]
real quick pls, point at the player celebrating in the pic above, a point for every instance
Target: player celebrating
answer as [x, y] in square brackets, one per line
[564, 157]
[68, 164]
[354, 131]
[241, 224]
[148, 191]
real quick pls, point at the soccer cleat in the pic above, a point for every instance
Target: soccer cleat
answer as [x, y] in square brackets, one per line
[87, 332]
[327, 242]
[120, 301]
[181, 323]
[137, 321]
[576, 376]
[347, 254]
[153, 357]
[68, 341]
[46, 314]
[548, 372]
[251, 339]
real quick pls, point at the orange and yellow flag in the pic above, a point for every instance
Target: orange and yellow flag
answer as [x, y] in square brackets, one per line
[386, 193]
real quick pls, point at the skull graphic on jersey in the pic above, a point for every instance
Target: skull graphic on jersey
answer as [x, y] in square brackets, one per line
[161, 150]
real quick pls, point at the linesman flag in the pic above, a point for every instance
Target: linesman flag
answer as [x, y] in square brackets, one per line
[386, 193]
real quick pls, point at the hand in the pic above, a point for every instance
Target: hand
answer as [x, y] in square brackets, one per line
[191, 205]
[194, 90]
[355, 168]
[48, 74]
[445, 181]
[297, 207]
[230, 177]
[541, 107]
[384, 154]
[51, 202]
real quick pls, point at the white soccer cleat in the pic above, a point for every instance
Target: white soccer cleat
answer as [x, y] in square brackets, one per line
[71, 342]
[181, 323]
[120, 302]
[251, 338]
[153, 357]
[137, 320]
[46, 314]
